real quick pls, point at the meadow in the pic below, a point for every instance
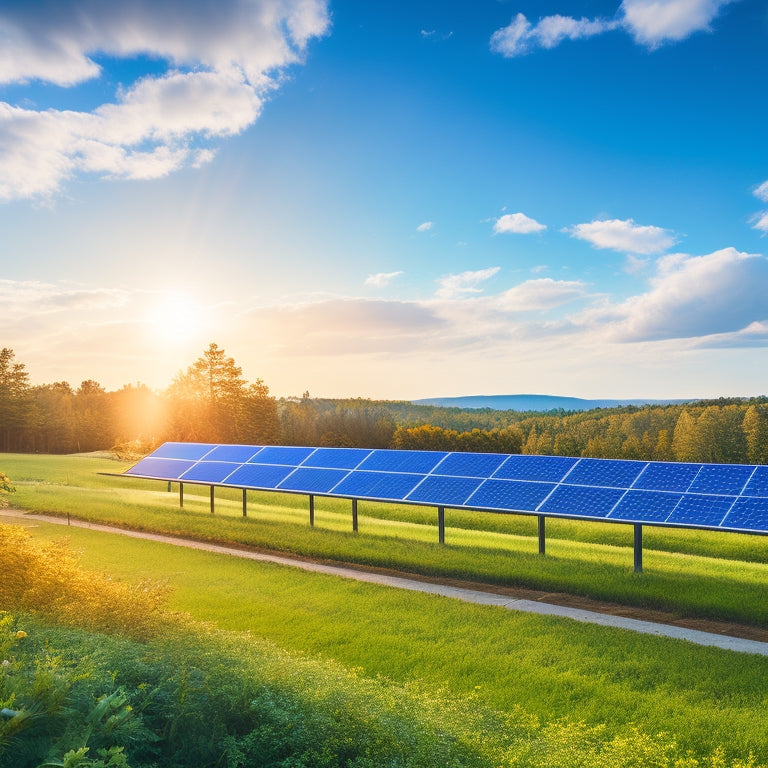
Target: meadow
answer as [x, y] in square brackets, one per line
[596, 684]
[695, 574]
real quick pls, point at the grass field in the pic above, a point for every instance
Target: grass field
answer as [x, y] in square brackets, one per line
[551, 667]
[691, 573]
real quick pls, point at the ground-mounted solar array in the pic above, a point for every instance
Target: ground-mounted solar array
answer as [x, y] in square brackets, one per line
[727, 497]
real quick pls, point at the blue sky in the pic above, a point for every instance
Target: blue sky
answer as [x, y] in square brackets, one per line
[389, 200]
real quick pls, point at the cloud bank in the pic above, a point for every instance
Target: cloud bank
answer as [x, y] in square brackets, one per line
[223, 60]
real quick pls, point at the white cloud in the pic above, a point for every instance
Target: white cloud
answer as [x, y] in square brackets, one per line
[425, 226]
[464, 282]
[692, 297]
[517, 223]
[762, 192]
[653, 22]
[761, 221]
[633, 265]
[624, 235]
[224, 59]
[382, 279]
[650, 22]
[520, 37]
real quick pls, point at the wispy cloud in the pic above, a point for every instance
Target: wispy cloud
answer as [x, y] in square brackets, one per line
[517, 223]
[760, 220]
[625, 236]
[223, 60]
[425, 226]
[650, 22]
[464, 282]
[382, 279]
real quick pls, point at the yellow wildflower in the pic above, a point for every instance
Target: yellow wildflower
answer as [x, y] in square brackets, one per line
[21, 634]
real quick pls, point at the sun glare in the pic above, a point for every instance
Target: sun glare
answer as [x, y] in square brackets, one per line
[176, 319]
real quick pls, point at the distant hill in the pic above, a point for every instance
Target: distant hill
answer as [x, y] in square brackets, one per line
[534, 402]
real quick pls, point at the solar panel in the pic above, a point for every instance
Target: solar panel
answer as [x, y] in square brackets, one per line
[336, 458]
[550, 469]
[509, 495]
[470, 464]
[267, 476]
[646, 506]
[192, 451]
[758, 483]
[611, 473]
[278, 454]
[311, 480]
[444, 491]
[701, 509]
[748, 514]
[725, 479]
[161, 469]
[726, 496]
[236, 453]
[581, 501]
[209, 471]
[419, 462]
[663, 476]
[383, 485]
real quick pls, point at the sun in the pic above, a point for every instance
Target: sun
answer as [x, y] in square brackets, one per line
[176, 318]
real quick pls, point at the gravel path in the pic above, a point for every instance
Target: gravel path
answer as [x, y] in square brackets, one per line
[459, 593]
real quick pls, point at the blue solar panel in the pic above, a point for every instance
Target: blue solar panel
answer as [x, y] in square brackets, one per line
[646, 506]
[662, 476]
[277, 454]
[235, 453]
[748, 514]
[258, 476]
[581, 501]
[701, 510]
[726, 479]
[336, 458]
[209, 471]
[549, 469]
[510, 495]
[470, 464]
[444, 491]
[192, 451]
[162, 469]
[610, 473]
[377, 485]
[730, 496]
[418, 462]
[758, 484]
[310, 480]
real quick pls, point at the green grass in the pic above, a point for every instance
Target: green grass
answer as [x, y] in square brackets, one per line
[695, 574]
[551, 667]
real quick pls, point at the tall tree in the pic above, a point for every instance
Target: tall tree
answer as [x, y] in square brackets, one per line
[212, 402]
[16, 410]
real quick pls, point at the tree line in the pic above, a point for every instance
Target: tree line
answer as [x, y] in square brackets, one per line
[212, 402]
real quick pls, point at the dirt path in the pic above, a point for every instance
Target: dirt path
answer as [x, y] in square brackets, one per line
[725, 635]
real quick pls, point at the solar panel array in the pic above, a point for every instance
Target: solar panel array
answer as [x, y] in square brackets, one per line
[731, 497]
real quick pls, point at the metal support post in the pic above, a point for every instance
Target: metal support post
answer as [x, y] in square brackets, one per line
[354, 515]
[311, 510]
[211, 499]
[245, 503]
[542, 535]
[638, 548]
[441, 524]
[181, 494]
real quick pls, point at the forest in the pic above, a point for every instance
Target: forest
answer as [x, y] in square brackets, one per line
[212, 402]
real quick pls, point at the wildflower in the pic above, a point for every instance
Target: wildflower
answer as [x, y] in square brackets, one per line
[6, 663]
[21, 634]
